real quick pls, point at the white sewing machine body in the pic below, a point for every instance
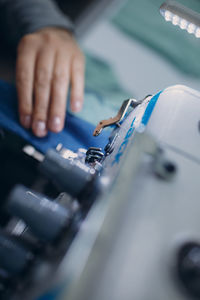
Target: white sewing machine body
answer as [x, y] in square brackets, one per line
[132, 242]
[141, 238]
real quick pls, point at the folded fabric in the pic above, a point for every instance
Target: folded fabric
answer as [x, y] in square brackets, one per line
[77, 133]
[141, 19]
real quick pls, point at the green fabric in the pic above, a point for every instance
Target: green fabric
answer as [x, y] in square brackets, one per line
[141, 19]
[103, 93]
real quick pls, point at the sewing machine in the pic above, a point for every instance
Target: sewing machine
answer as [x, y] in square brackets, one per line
[118, 223]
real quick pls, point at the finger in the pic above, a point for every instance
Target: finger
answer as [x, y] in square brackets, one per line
[43, 75]
[77, 84]
[24, 81]
[60, 83]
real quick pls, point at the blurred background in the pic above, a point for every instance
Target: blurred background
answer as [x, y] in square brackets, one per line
[131, 51]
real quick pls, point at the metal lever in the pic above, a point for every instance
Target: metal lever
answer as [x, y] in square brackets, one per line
[119, 117]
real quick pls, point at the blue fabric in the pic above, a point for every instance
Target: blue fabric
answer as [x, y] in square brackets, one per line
[53, 295]
[77, 133]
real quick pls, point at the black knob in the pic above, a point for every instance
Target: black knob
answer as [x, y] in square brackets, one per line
[14, 257]
[69, 176]
[44, 217]
[189, 268]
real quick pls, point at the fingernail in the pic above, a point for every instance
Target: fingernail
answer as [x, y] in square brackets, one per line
[39, 128]
[77, 106]
[55, 124]
[25, 121]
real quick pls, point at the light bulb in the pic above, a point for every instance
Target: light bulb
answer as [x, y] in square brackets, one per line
[191, 28]
[175, 20]
[197, 33]
[183, 24]
[168, 16]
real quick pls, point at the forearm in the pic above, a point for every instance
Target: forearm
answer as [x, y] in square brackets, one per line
[21, 17]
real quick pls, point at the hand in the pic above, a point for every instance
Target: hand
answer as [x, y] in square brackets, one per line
[47, 62]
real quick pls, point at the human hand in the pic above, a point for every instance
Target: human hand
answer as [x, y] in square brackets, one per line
[47, 62]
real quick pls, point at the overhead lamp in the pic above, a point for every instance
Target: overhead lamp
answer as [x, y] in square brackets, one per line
[182, 16]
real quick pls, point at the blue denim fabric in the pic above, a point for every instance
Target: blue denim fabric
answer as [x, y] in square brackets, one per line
[76, 133]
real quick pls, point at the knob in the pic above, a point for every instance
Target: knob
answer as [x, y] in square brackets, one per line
[14, 258]
[44, 217]
[189, 268]
[70, 176]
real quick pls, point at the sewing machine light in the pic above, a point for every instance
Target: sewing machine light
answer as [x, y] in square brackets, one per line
[197, 33]
[183, 24]
[175, 20]
[181, 16]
